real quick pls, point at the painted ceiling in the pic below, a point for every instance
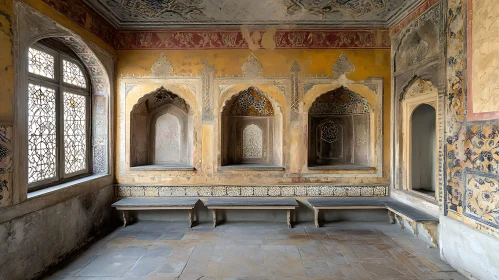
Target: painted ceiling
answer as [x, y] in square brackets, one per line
[140, 14]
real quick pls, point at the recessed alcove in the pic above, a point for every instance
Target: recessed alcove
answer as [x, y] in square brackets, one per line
[251, 132]
[161, 125]
[339, 132]
[423, 150]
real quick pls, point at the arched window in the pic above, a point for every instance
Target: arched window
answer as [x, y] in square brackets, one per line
[59, 101]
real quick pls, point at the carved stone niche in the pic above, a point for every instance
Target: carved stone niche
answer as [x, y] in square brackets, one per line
[161, 125]
[339, 131]
[251, 132]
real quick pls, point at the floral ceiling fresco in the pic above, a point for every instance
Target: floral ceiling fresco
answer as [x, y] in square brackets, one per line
[154, 13]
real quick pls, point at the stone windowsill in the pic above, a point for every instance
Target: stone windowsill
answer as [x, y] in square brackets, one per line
[251, 167]
[346, 167]
[62, 186]
[163, 167]
[427, 197]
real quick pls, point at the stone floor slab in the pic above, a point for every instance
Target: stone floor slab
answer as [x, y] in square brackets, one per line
[247, 251]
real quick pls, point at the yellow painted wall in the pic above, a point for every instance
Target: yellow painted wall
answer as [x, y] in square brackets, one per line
[6, 62]
[368, 63]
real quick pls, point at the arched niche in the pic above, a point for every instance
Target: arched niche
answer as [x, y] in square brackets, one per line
[419, 134]
[161, 132]
[423, 155]
[340, 134]
[416, 45]
[251, 130]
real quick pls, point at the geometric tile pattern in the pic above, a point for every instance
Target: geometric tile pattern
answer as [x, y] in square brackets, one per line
[72, 74]
[42, 134]
[340, 101]
[75, 132]
[41, 63]
[6, 156]
[253, 191]
[252, 102]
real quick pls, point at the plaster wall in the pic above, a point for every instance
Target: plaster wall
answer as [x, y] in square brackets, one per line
[35, 242]
[484, 65]
[39, 230]
[6, 62]
[135, 65]
[470, 251]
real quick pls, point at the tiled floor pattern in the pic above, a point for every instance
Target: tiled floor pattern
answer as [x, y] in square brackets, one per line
[246, 251]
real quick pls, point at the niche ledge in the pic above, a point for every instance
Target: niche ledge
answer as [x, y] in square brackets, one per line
[254, 167]
[163, 167]
[353, 167]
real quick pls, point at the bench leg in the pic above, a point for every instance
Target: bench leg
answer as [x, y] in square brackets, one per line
[288, 219]
[431, 230]
[316, 217]
[190, 217]
[126, 217]
[401, 222]
[391, 217]
[414, 227]
[214, 218]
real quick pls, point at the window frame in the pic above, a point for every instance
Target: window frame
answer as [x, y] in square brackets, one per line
[61, 87]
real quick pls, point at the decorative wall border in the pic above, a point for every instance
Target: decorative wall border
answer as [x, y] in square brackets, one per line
[233, 39]
[6, 158]
[484, 195]
[252, 191]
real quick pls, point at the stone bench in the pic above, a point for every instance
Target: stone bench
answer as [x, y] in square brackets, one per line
[396, 210]
[343, 203]
[155, 203]
[251, 203]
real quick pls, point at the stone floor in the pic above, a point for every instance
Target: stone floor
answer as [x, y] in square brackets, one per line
[161, 250]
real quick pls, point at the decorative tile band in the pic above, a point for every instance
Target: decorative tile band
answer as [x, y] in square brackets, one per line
[234, 39]
[6, 134]
[255, 191]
